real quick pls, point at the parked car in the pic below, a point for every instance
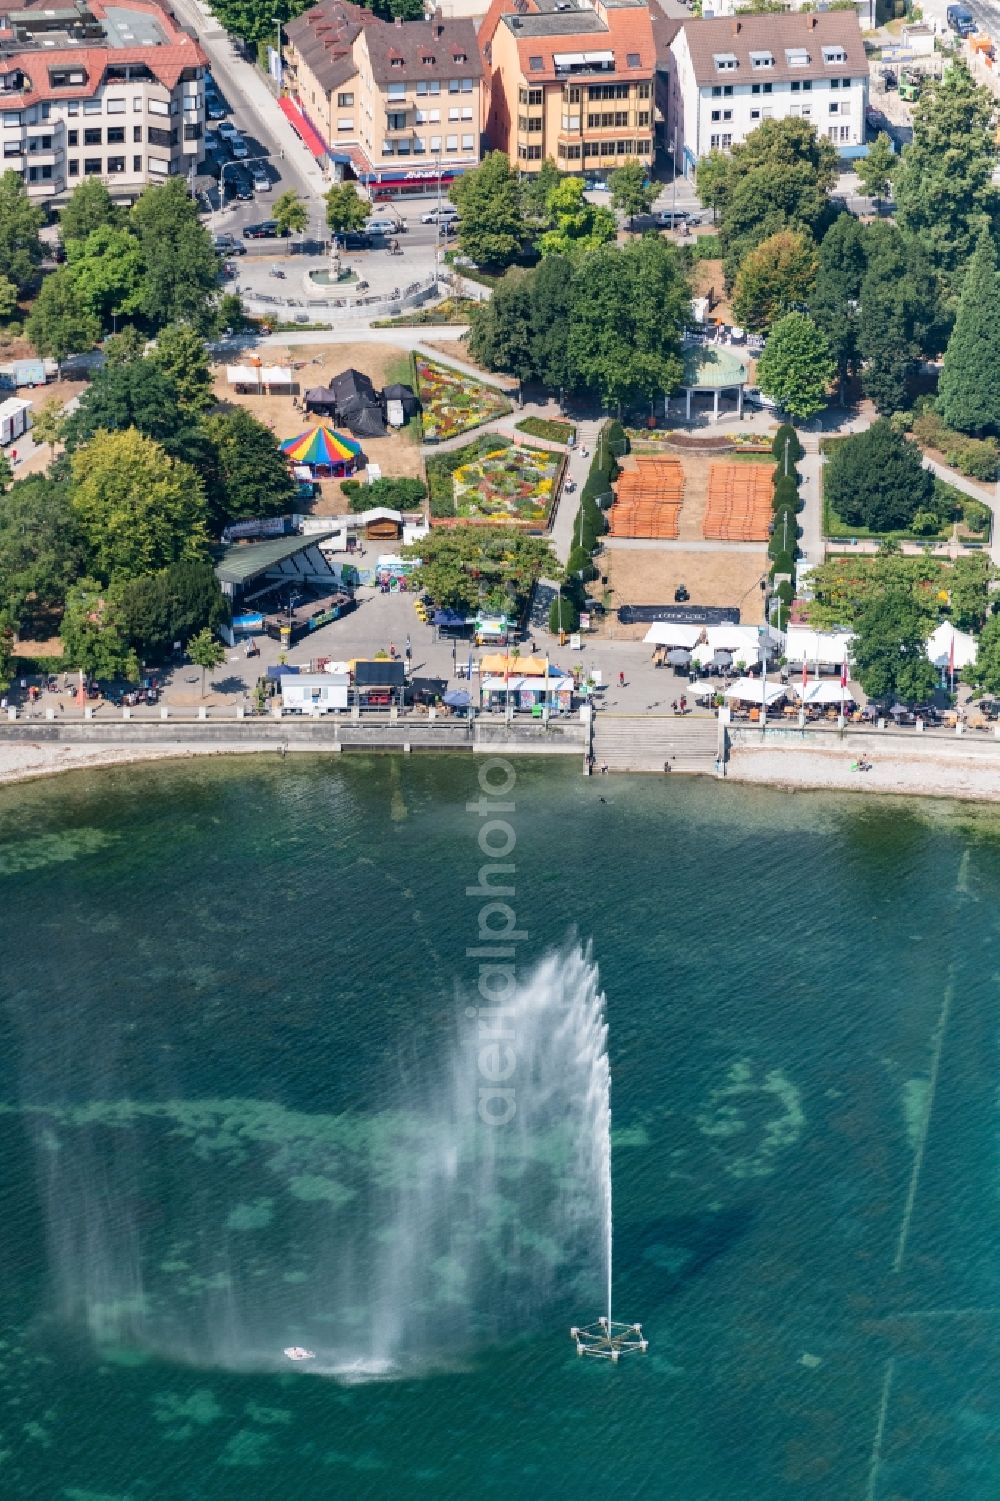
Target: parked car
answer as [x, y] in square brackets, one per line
[267, 229]
[215, 142]
[238, 147]
[229, 245]
[215, 109]
[353, 240]
[242, 186]
[679, 216]
[261, 181]
[227, 129]
[439, 215]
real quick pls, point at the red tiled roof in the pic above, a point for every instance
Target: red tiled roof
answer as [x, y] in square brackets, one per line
[630, 32]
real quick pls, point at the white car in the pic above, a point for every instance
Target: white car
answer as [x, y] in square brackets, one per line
[439, 215]
[227, 129]
[261, 181]
[238, 147]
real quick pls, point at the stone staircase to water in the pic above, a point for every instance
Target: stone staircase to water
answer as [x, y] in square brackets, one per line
[647, 742]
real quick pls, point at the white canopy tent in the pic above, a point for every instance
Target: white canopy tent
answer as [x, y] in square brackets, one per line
[827, 692]
[750, 691]
[817, 648]
[939, 646]
[669, 633]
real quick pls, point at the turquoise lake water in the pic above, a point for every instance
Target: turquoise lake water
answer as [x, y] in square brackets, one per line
[228, 1043]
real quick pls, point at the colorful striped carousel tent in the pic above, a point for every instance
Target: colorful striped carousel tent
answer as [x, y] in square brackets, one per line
[323, 450]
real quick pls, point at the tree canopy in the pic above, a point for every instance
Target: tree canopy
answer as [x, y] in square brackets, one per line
[290, 212]
[889, 650]
[181, 267]
[944, 186]
[969, 388]
[41, 548]
[181, 354]
[346, 210]
[20, 220]
[836, 295]
[876, 479]
[463, 566]
[87, 208]
[876, 170]
[157, 609]
[492, 229]
[632, 193]
[797, 366]
[60, 324]
[578, 226]
[776, 277]
[630, 308]
[246, 475]
[138, 509]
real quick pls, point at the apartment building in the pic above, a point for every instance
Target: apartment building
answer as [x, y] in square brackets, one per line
[573, 80]
[399, 103]
[90, 89]
[730, 75]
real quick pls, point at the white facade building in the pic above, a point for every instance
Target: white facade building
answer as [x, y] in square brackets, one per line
[99, 90]
[730, 75]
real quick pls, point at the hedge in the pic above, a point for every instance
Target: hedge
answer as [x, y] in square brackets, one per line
[786, 492]
[563, 615]
[581, 562]
[795, 450]
[396, 493]
[783, 563]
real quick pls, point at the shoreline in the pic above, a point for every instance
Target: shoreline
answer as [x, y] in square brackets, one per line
[793, 768]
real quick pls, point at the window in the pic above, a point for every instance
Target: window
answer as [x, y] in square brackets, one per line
[65, 78]
[12, 148]
[158, 167]
[467, 85]
[93, 137]
[454, 114]
[796, 57]
[725, 62]
[535, 97]
[755, 114]
[345, 101]
[137, 104]
[11, 117]
[115, 106]
[632, 60]
[534, 64]
[834, 55]
[429, 87]
[396, 120]
[116, 134]
[136, 133]
[92, 166]
[534, 124]
[158, 107]
[91, 106]
[40, 174]
[839, 132]
[39, 143]
[642, 91]
[137, 164]
[397, 91]
[454, 85]
[451, 143]
[572, 94]
[191, 133]
[467, 143]
[572, 153]
[157, 137]
[721, 142]
[458, 57]
[727, 90]
[835, 106]
[534, 153]
[427, 60]
[762, 59]
[116, 164]
[395, 62]
[345, 122]
[73, 168]
[435, 143]
[642, 118]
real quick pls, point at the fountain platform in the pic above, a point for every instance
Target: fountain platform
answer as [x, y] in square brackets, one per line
[608, 1340]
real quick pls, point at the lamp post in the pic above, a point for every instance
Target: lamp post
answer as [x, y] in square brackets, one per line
[673, 175]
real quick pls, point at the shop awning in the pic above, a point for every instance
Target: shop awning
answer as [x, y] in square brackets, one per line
[297, 120]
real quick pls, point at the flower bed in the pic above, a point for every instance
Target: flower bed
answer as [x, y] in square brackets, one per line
[454, 403]
[550, 429]
[494, 480]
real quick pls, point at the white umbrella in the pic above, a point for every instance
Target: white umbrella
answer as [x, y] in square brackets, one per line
[750, 690]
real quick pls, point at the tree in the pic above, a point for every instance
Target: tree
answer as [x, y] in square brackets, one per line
[137, 394]
[87, 208]
[564, 617]
[875, 171]
[8, 297]
[969, 592]
[108, 272]
[553, 293]
[60, 324]
[887, 350]
[500, 336]
[713, 178]
[6, 473]
[49, 425]
[462, 566]
[492, 228]
[578, 226]
[985, 671]
[138, 509]
[876, 479]
[158, 609]
[535, 190]
[944, 186]
[246, 474]
[20, 220]
[181, 354]
[969, 389]
[181, 267]
[91, 633]
[205, 651]
[41, 549]
[889, 650]
[775, 278]
[836, 296]
[290, 213]
[630, 308]
[632, 192]
[346, 210]
[797, 366]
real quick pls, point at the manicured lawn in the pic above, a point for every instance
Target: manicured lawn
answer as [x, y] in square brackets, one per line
[454, 403]
[551, 429]
[835, 528]
[493, 479]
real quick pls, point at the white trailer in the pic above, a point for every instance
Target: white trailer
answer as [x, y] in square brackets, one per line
[15, 419]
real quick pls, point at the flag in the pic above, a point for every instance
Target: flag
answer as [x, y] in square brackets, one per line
[805, 675]
[951, 657]
[843, 673]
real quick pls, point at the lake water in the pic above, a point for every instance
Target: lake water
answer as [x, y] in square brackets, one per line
[231, 1029]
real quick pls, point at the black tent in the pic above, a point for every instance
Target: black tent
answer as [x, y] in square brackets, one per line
[322, 400]
[364, 419]
[351, 385]
[379, 672]
[405, 395]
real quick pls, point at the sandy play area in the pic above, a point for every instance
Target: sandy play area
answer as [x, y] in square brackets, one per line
[398, 453]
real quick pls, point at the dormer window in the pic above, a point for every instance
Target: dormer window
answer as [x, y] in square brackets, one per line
[535, 64]
[632, 60]
[459, 57]
[762, 59]
[834, 55]
[427, 60]
[395, 62]
[725, 62]
[796, 57]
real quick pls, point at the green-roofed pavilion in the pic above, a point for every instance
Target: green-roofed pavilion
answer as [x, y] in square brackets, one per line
[711, 370]
[243, 562]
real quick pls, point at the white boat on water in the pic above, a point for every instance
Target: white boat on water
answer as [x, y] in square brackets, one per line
[297, 1352]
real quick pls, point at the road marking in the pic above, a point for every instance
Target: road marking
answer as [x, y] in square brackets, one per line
[876, 1459]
